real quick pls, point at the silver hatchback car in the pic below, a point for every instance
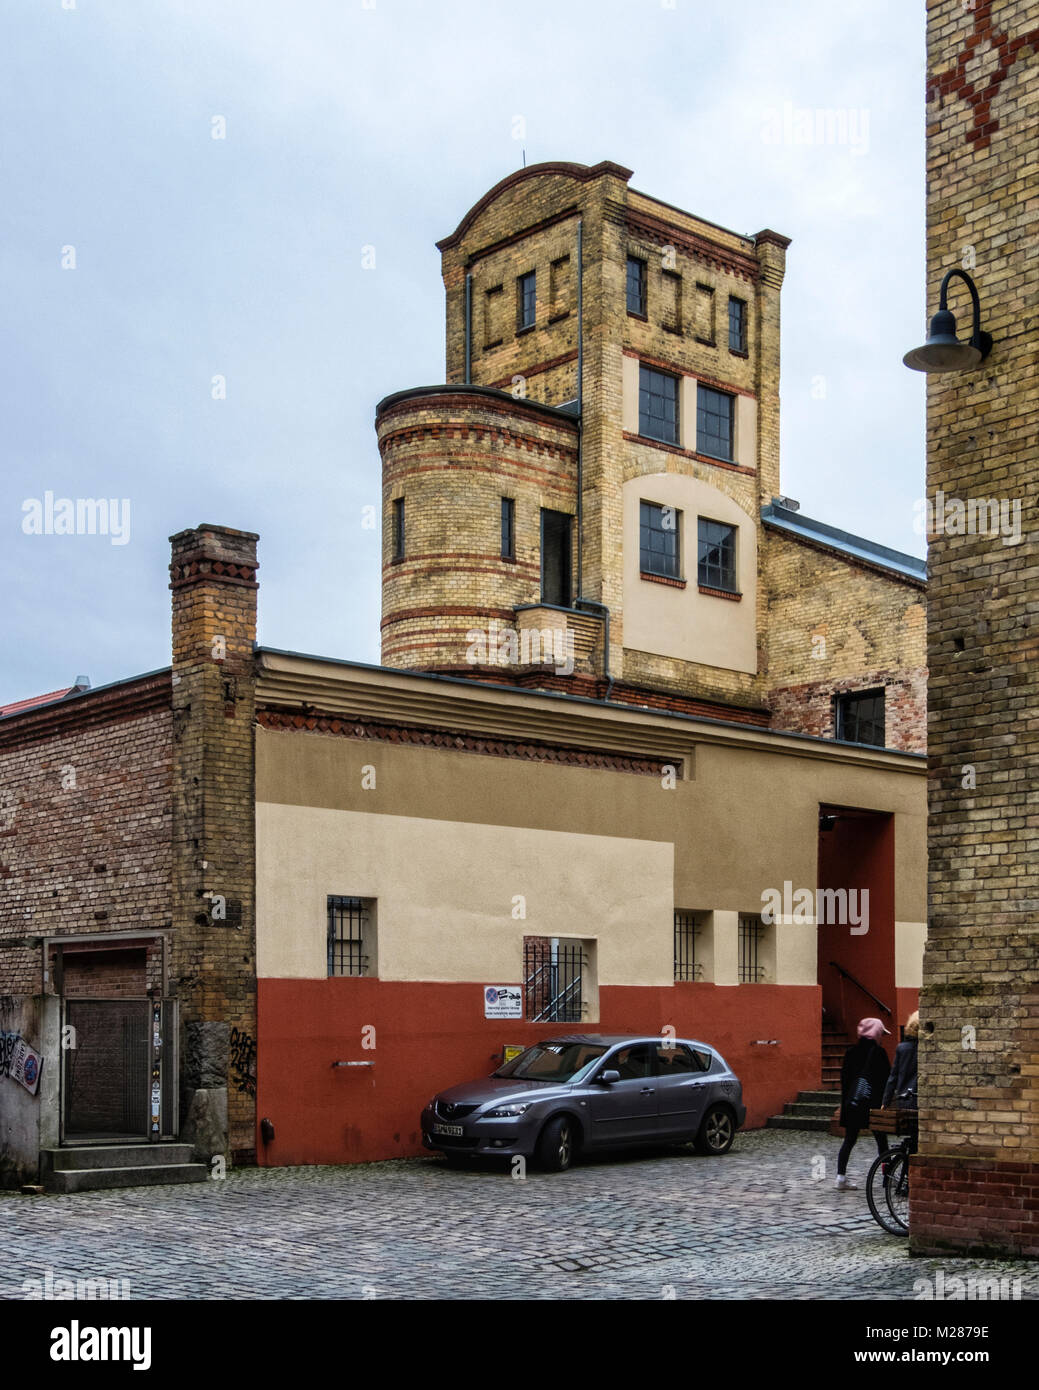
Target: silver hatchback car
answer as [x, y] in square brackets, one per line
[588, 1092]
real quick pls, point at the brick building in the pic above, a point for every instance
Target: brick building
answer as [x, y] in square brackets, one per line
[628, 692]
[976, 1187]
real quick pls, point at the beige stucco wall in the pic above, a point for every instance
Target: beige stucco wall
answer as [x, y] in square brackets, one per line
[448, 895]
[685, 623]
[909, 954]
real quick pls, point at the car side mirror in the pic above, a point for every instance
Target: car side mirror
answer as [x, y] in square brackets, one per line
[608, 1077]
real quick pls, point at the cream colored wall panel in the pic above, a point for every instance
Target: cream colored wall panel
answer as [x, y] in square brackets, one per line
[446, 892]
[909, 954]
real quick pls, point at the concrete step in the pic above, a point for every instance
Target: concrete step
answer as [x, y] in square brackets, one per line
[796, 1122]
[150, 1175]
[811, 1110]
[821, 1096]
[116, 1156]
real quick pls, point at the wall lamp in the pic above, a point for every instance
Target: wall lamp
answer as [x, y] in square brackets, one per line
[943, 351]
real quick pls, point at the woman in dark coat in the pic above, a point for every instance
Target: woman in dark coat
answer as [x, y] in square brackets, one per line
[864, 1074]
[901, 1084]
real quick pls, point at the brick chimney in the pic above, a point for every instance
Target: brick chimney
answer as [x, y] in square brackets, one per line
[213, 581]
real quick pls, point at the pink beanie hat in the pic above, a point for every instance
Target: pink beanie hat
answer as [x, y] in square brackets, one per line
[872, 1028]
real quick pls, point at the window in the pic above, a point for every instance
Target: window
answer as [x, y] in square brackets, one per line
[674, 1059]
[553, 979]
[737, 325]
[658, 540]
[555, 558]
[687, 929]
[508, 528]
[717, 559]
[526, 300]
[636, 286]
[351, 936]
[751, 952]
[634, 1062]
[398, 528]
[860, 717]
[713, 423]
[658, 405]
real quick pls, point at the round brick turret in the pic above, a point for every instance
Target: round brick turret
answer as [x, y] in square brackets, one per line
[451, 453]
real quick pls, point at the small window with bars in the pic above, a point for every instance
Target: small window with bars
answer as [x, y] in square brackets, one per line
[688, 927]
[751, 950]
[351, 936]
[553, 979]
[737, 325]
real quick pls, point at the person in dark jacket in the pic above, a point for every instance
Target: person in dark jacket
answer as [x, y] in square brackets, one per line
[864, 1074]
[901, 1084]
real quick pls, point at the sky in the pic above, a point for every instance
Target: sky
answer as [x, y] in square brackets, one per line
[193, 323]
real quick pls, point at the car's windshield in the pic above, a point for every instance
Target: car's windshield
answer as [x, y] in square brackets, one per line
[552, 1061]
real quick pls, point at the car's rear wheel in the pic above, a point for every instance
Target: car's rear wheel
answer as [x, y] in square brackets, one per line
[717, 1131]
[557, 1145]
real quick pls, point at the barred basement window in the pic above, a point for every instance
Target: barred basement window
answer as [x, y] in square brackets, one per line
[553, 979]
[351, 936]
[687, 930]
[751, 955]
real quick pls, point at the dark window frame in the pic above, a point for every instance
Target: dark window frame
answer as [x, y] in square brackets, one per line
[398, 528]
[639, 283]
[651, 421]
[687, 929]
[670, 567]
[526, 299]
[566, 576]
[508, 528]
[349, 955]
[705, 439]
[709, 573]
[846, 703]
[737, 325]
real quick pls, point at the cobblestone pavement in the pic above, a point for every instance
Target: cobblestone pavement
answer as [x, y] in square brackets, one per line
[753, 1224]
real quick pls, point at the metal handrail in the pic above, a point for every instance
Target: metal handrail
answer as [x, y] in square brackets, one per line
[859, 985]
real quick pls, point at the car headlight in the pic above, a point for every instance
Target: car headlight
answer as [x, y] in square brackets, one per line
[507, 1112]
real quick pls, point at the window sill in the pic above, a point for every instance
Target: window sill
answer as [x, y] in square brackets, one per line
[715, 458]
[558, 318]
[397, 559]
[662, 579]
[738, 352]
[488, 347]
[705, 342]
[634, 314]
[527, 328]
[509, 560]
[720, 593]
[670, 328]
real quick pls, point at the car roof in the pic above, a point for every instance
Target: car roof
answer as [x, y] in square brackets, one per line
[612, 1039]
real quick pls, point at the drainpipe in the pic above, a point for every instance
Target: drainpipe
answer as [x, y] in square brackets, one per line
[468, 329]
[580, 601]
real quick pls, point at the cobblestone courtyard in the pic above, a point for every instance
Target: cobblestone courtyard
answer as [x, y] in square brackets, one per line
[754, 1224]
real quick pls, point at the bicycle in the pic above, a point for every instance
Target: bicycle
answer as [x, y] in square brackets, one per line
[887, 1185]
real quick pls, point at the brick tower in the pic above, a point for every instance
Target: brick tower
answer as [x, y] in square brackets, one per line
[212, 576]
[976, 1187]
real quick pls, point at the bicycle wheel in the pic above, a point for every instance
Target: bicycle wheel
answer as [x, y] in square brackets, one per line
[896, 1191]
[876, 1194]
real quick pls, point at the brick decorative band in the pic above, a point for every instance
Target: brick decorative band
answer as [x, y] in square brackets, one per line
[443, 611]
[667, 234]
[720, 593]
[530, 750]
[189, 572]
[662, 579]
[676, 370]
[973, 1206]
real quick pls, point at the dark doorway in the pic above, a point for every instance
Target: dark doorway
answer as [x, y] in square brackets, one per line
[107, 1068]
[856, 957]
[555, 558]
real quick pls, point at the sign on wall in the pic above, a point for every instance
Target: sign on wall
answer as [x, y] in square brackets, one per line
[502, 1001]
[25, 1066]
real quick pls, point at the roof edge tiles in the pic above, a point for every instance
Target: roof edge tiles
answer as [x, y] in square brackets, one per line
[856, 547]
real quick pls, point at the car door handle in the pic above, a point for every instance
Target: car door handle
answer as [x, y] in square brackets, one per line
[646, 1090]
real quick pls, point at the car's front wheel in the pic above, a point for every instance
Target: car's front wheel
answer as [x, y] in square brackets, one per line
[557, 1145]
[717, 1131]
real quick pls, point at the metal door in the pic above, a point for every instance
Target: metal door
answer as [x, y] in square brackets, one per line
[119, 1070]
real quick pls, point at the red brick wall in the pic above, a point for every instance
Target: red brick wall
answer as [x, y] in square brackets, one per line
[974, 1206]
[84, 821]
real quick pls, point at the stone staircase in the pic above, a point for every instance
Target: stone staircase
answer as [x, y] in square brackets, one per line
[95, 1166]
[813, 1110]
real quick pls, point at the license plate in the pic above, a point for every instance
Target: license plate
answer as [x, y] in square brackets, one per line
[456, 1130]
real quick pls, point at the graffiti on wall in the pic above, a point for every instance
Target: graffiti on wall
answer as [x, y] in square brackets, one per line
[243, 1061]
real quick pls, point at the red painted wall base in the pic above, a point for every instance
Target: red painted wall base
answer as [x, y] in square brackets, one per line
[423, 1037]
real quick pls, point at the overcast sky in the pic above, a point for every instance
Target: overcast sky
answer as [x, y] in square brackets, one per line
[354, 123]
